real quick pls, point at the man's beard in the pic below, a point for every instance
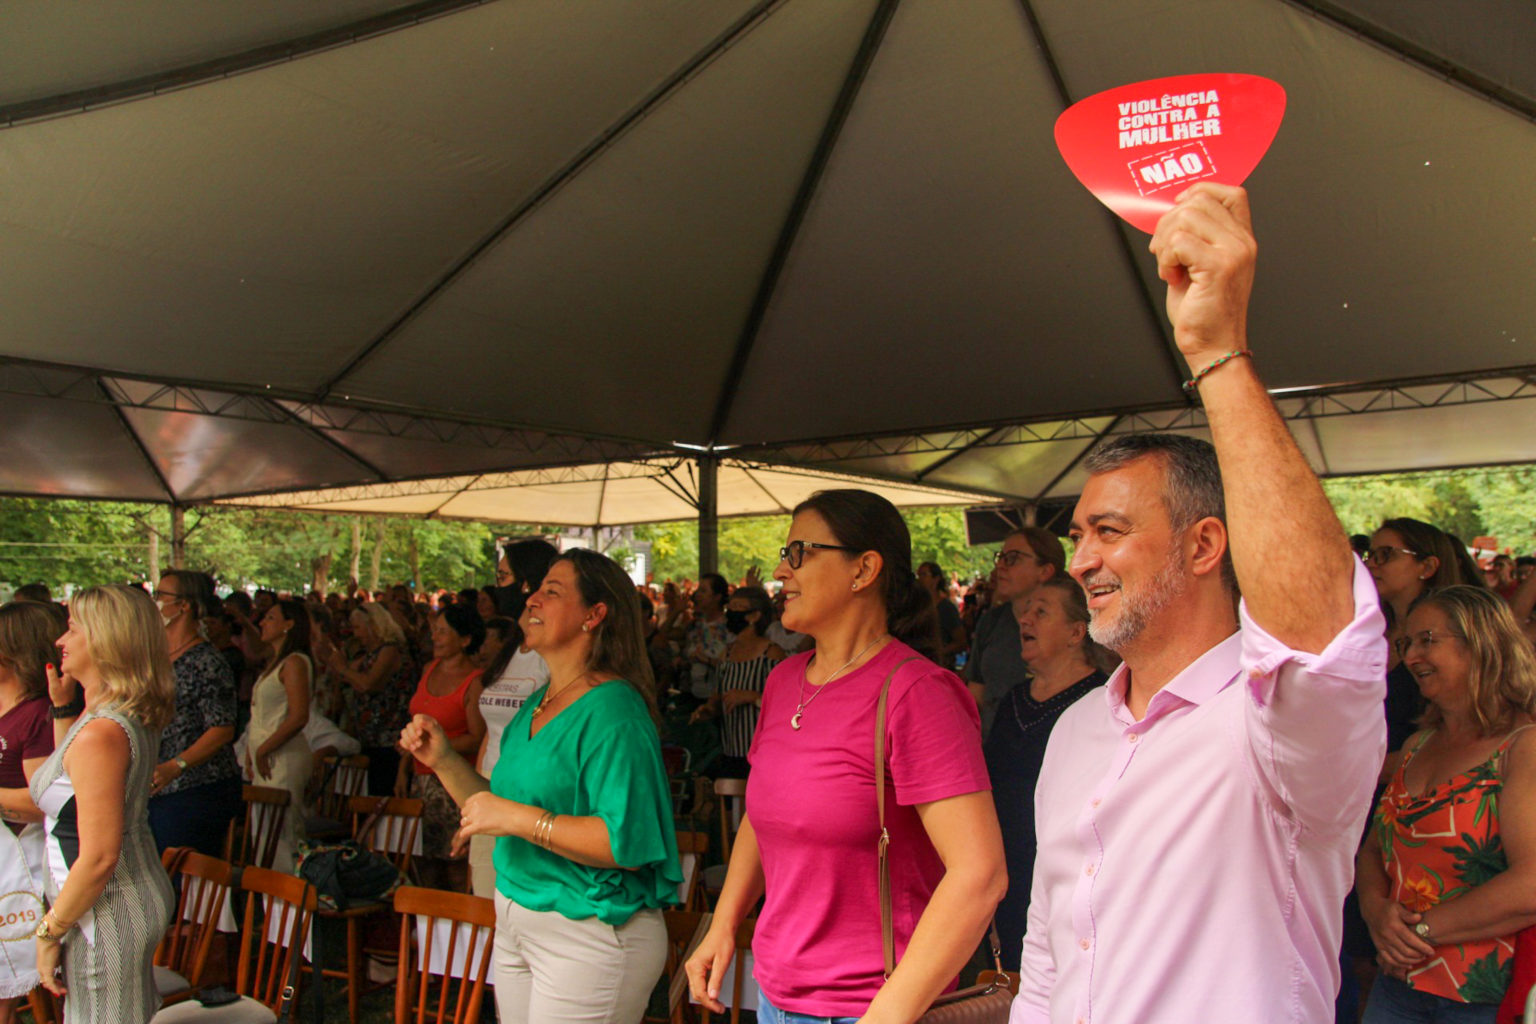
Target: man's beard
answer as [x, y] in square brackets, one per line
[1137, 607]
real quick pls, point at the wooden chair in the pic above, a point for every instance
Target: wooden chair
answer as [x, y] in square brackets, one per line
[265, 809]
[731, 805]
[392, 824]
[340, 779]
[738, 983]
[279, 910]
[682, 935]
[691, 848]
[181, 960]
[453, 934]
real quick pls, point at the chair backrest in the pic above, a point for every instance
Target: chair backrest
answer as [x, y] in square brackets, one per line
[348, 778]
[265, 809]
[204, 883]
[732, 805]
[691, 847]
[739, 990]
[396, 833]
[453, 934]
[272, 936]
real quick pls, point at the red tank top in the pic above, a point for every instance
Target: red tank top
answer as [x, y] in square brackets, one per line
[449, 711]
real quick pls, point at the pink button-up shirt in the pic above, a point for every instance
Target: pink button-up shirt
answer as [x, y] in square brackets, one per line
[1193, 865]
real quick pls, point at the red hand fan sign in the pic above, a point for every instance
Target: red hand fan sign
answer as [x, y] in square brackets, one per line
[1139, 146]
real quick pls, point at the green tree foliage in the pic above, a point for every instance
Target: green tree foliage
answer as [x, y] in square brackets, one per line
[77, 543]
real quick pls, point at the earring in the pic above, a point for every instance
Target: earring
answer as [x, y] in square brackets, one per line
[586, 627]
[855, 586]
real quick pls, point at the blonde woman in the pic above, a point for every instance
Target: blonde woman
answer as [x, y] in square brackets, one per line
[110, 899]
[379, 686]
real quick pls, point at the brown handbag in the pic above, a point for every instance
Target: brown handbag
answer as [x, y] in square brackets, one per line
[987, 1001]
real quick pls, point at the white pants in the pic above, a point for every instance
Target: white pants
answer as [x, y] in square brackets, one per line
[482, 866]
[549, 969]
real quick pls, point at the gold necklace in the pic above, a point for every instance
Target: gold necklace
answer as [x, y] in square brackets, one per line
[794, 720]
[551, 695]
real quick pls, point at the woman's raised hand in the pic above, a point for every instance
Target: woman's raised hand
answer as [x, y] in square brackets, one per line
[61, 686]
[423, 738]
[706, 967]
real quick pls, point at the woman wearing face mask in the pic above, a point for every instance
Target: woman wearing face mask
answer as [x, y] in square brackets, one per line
[1064, 664]
[196, 784]
[277, 754]
[748, 660]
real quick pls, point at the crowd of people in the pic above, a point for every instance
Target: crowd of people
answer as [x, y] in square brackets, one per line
[1213, 765]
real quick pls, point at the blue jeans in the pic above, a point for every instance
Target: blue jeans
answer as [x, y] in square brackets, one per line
[767, 1013]
[1395, 1002]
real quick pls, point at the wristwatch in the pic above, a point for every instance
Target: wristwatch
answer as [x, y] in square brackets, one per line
[1422, 931]
[45, 929]
[181, 763]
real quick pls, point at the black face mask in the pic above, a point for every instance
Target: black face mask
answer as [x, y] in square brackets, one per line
[736, 622]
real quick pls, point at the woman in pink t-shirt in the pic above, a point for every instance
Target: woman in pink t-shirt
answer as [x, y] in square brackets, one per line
[807, 842]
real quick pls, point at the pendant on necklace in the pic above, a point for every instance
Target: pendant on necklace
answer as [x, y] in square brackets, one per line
[794, 721]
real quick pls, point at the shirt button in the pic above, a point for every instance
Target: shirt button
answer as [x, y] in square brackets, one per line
[1085, 944]
[1131, 738]
[1088, 870]
[1095, 802]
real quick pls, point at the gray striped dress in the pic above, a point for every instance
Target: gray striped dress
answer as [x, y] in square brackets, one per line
[107, 958]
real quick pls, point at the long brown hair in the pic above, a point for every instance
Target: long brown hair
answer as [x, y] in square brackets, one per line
[618, 641]
[29, 631]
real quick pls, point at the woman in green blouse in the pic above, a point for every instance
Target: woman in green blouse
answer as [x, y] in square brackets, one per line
[586, 853]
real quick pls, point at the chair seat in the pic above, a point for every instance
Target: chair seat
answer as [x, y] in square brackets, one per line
[244, 1011]
[168, 982]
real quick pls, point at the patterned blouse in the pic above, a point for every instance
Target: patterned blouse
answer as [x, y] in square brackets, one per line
[1436, 847]
[205, 699]
[378, 716]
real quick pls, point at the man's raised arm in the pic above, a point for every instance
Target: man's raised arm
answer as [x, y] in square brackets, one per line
[1293, 561]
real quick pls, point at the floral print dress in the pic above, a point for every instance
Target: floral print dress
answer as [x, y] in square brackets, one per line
[1438, 845]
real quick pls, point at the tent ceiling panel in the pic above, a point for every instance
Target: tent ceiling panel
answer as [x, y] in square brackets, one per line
[204, 457]
[554, 505]
[408, 458]
[1380, 442]
[72, 450]
[909, 256]
[69, 45]
[284, 232]
[648, 259]
[1381, 164]
[1021, 470]
[1490, 40]
[416, 505]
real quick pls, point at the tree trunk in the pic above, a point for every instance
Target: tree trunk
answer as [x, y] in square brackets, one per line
[320, 573]
[154, 556]
[415, 557]
[178, 536]
[355, 571]
[378, 556]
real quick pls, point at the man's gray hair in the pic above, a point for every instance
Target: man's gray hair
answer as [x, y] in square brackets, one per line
[1191, 473]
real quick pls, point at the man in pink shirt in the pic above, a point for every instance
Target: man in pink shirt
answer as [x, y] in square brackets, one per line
[1198, 818]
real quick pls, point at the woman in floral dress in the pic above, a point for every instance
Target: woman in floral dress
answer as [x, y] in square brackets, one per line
[1447, 876]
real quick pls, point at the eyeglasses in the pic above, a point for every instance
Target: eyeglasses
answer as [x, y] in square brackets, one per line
[1385, 554]
[794, 551]
[1013, 558]
[1426, 639]
[504, 577]
[167, 595]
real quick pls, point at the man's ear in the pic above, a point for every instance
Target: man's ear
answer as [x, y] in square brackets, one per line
[1208, 545]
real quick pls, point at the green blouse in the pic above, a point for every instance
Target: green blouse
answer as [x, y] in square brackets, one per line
[599, 757]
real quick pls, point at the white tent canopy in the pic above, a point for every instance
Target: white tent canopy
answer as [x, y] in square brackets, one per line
[364, 244]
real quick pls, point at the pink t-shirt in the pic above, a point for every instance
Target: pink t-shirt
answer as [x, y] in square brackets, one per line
[811, 801]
